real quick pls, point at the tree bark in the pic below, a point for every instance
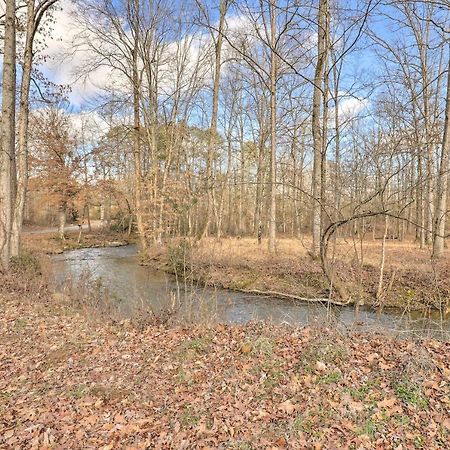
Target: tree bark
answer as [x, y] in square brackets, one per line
[34, 18]
[136, 132]
[61, 222]
[442, 182]
[273, 130]
[215, 111]
[317, 127]
[7, 177]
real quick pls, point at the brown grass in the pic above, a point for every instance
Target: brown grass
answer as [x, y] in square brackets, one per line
[398, 255]
[411, 279]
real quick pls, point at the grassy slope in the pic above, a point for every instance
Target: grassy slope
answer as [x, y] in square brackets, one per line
[67, 382]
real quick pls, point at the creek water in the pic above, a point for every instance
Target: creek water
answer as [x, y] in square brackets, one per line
[135, 287]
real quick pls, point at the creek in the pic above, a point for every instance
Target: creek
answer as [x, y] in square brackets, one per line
[133, 287]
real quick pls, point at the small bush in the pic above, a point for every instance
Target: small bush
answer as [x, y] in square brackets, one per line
[179, 257]
[26, 264]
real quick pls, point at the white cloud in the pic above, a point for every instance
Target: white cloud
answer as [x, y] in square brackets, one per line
[90, 124]
[350, 107]
[61, 60]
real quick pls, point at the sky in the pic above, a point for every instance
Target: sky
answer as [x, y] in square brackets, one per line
[85, 90]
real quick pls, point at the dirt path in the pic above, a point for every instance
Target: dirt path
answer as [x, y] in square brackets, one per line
[95, 225]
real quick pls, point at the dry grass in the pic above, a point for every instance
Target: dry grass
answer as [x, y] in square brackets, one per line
[399, 254]
[411, 279]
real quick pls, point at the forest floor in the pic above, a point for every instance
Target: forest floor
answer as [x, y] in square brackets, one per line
[411, 280]
[75, 381]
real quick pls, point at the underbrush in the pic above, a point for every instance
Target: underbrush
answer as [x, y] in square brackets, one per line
[25, 277]
[241, 266]
[90, 296]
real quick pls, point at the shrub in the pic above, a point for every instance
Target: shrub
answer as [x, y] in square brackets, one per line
[26, 264]
[179, 257]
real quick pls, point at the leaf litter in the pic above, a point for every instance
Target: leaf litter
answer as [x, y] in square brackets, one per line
[68, 382]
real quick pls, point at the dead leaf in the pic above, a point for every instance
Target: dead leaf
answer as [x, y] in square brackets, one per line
[287, 407]
[320, 366]
[387, 403]
[8, 434]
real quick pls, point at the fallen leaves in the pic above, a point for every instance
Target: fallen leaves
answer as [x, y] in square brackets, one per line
[66, 384]
[320, 366]
[387, 403]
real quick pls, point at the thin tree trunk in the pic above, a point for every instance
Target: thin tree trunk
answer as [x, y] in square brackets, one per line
[259, 181]
[136, 134]
[7, 177]
[61, 222]
[22, 147]
[88, 216]
[316, 128]
[273, 130]
[382, 261]
[215, 110]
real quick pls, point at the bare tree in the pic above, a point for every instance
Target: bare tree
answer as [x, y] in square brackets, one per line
[318, 127]
[223, 7]
[442, 181]
[34, 16]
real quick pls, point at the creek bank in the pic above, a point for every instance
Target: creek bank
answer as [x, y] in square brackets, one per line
[50, 244]
[302, 278]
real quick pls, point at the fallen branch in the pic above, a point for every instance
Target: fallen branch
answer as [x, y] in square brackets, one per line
[295, 297]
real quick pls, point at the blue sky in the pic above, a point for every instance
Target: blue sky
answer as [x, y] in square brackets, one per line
[362, 65]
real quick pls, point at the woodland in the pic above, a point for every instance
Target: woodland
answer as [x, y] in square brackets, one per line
[288, 149]
[313, 121]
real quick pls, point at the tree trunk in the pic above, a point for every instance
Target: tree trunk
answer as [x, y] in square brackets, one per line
[442, 182]
[33, 22]
[7, 177]
[273, 130]
[61, 222]
[87, 213]
[382, 262]
[22, 147]
[136, 134]
[317, 128]
[214, 115]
